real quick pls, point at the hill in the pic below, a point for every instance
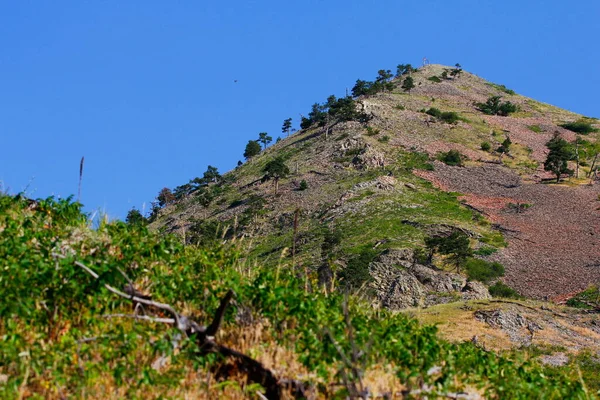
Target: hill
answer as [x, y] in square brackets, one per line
[119, 312]
[374, 184]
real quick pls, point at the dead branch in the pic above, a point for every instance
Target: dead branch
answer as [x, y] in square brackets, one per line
[205, 340]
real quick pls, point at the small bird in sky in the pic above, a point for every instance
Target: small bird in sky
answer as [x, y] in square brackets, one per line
[235, 81]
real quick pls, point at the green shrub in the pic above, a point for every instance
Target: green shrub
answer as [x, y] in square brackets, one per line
[435, 79]
[502, 88]
[303, 185]
[452, 157]
[499, 289]
[434, 112]
[384, 139]
[483, 271]
[535, 128]
[493, 106]
[372, 131]
[450, 117]
[486, 146]
[415, 160]
[399, 107]
[583, 127]
[586, 299]
[356, 273]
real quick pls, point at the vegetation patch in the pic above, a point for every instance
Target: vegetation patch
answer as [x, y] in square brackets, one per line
[582, 126]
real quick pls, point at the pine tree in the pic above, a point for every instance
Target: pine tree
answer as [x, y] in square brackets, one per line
[252, 149]
[287, 126]
[265, 139]
[560, 153]
[275, 170]
[408, 84]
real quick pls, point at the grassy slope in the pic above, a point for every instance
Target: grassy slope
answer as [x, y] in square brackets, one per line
[57, 342]
[376, 215]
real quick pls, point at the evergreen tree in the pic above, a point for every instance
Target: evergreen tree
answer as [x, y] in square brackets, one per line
[211, 175]
[252, 149]
[560, 153]
[456, 247]
[275, 170]
[165, 197]
[287, 126]
[383, 80]
[265, 139]
[408, 84]
[404, 69]
[135, 218]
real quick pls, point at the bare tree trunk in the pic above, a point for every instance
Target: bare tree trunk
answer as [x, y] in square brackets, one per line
[577, 157]
[593, 165]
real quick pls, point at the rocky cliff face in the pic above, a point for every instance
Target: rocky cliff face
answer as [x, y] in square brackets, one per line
[400, 283]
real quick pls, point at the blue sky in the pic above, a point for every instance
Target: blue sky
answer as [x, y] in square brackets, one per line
[145, 89]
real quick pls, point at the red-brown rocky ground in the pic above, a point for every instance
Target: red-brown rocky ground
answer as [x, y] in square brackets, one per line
[553, 246]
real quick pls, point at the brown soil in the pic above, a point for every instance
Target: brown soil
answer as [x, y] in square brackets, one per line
[553, 246]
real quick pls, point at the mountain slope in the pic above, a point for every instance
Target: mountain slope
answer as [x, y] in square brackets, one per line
[379, 186]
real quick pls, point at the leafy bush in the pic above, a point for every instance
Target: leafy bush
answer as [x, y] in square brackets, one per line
[483, 271]
[452, 157]
[449, 117]
[56, 341]
[434, 78]
[583, 127]
[384, 139]
[502, 88]
[535, 128]
[589, 298]
[372, 131]
[486, 146]
[356, 273]
[499, 289]
[399, 107]
[485, 251]
[303, 185]
[493, 106]
[415, 160]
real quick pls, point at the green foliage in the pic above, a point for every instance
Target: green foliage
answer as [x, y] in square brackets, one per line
[372, 131]
[560, 153]
[448, 117]
[434, 78]
[499, 289]
[384, 139]
[303, 185]
[56, 342]
[287, 126]
[588, 299]
[483, 271]
[408, 84]
[582, 126]
[334, 111]
[252, 149]
[415, 160]
[493, 106]
[485, 251]
[535, 128]
[502, 88]
[505, 146]
[486, 146]
[404, 69]
[264, 138]
[451, 157]
[455, 246]
[356, 273]
[399, 107]
[135, 218]
[165, 197]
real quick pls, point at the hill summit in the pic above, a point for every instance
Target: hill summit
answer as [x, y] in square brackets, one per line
[408, 158]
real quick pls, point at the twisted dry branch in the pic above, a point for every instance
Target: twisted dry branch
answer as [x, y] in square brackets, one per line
[205, 340]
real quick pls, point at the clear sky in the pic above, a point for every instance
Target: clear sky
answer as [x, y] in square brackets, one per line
[145, 89]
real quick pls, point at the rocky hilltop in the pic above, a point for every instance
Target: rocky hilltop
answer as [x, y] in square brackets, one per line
[361, 189]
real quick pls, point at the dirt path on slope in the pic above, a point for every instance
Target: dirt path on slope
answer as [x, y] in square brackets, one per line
[553, 246]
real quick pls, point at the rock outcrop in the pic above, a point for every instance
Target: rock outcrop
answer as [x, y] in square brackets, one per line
[399, 282]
